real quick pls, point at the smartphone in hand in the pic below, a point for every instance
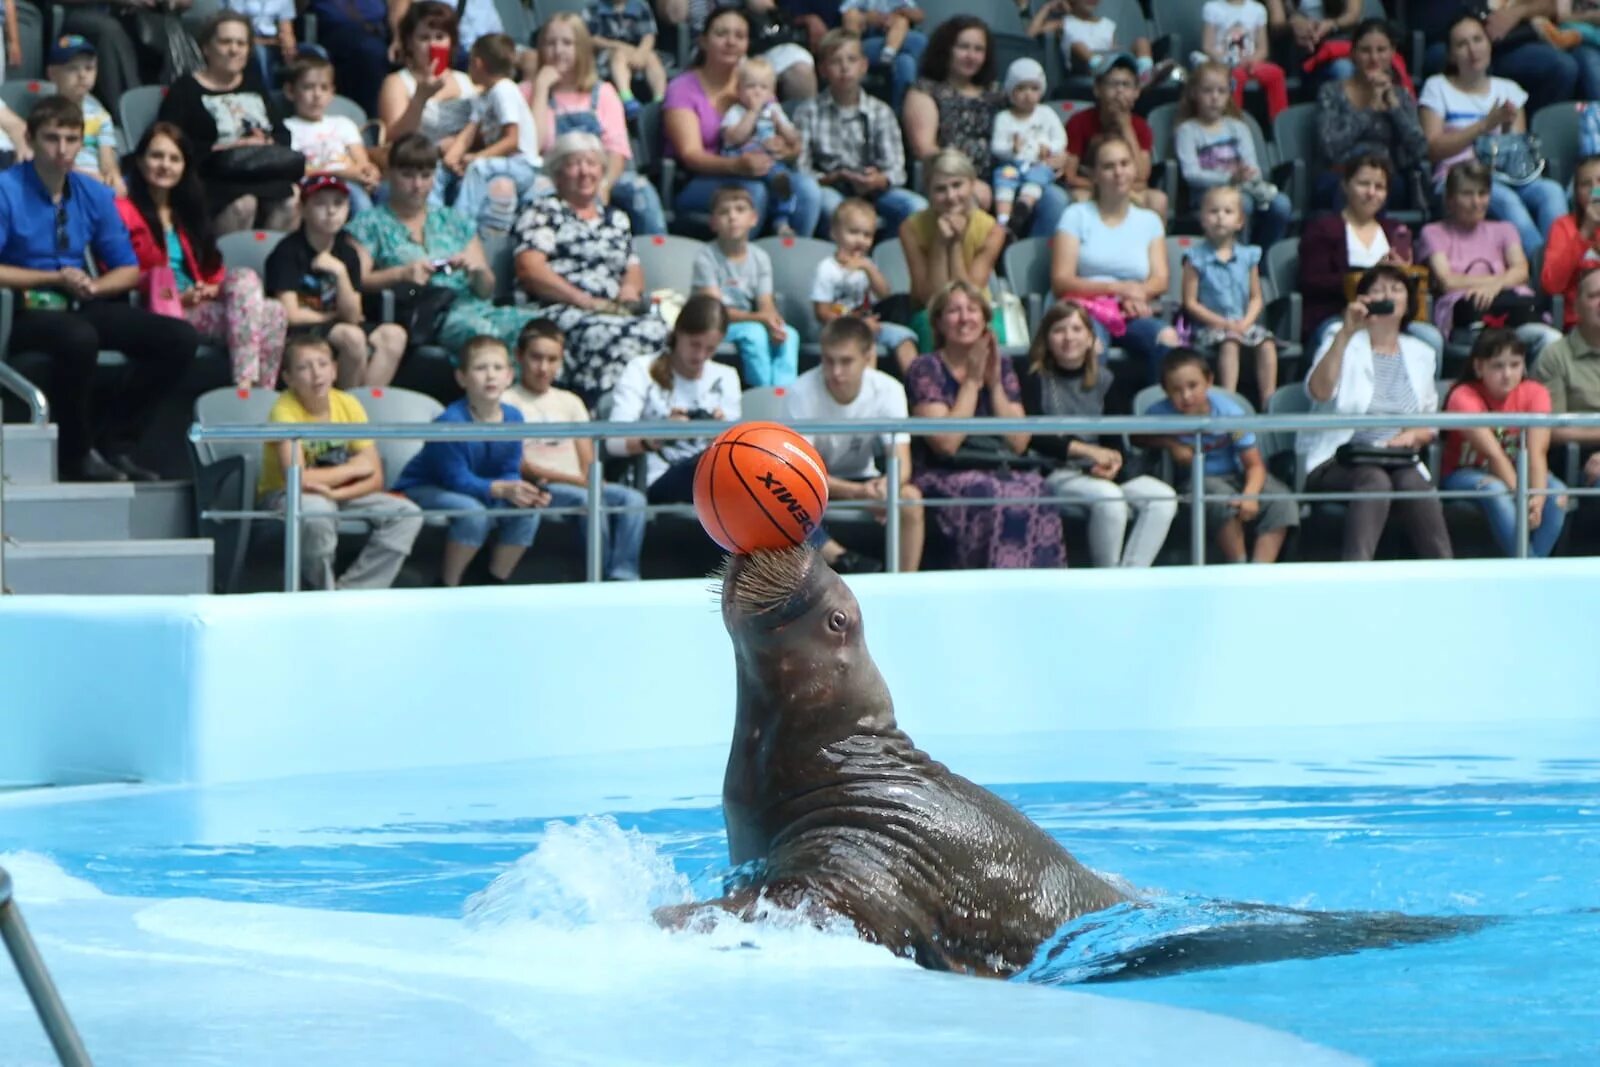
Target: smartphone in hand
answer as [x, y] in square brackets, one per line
[438, 59]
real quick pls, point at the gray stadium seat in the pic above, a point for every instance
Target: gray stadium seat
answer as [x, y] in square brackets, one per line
[137, 111]
[225, 474]
[248, 249]
[891, 259]
[794, 266]
[1556, 126]
[767, 403]
[21, 94]
[668, 261]
[391, 404]
[1027, 268]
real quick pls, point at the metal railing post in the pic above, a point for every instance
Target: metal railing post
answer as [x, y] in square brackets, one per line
[291, 528]
[595, 542]
[891, 521]
[1522, 498]
[36, 979]
[1197, 509]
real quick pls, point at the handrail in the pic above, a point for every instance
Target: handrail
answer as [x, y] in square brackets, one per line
[36, 979]
[1127, 425]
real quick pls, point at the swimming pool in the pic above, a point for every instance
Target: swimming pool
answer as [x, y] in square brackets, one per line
[377, 908]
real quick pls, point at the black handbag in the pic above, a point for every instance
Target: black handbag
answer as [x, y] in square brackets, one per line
[253, 164]
[420, 310]
[989, 452]
[1354, 455]
[1508, 310]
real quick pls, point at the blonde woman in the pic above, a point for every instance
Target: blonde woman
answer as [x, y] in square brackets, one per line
[567, 95]
[951, 240]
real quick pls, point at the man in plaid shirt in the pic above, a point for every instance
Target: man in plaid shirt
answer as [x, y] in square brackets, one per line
[851, 141]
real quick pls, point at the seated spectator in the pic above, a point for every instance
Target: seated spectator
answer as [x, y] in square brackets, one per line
[420, 98]
[360, 40]
[1316, 32]
[1483, 459]
[850, 142]
[1110, 255]
[1465, 103]
[692, 116]
[1215, 147]
[951, 240]
[755, 123]
[1235, 474]
[1068, 379]
[497, 155]
[954, 102]
[481, 478]
[1336, 248]
[1477, 266]
[848, 283]
[413, 245]
[1573, 247]
[1570, 370]
[624, 33]
[1116, 91]
[1029, 146]
[1549, 74]
[50, 218]
[1369, 367]
[575, 259]
[332, 144]
[224, 109]
[560, 465]
[1089, 39]
[72, 70]
[317, 273]
[567, 97]
[888, 39]
[967, 377]
[165, 212]
[1222, 295]
[737, 273]
[1235, 36]
[1370, 114]
[682, 383]
[847, 386]
[341, 477]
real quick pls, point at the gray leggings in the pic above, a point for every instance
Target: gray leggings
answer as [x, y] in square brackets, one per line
[1423, 517]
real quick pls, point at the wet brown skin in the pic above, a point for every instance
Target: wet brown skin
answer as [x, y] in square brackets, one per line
[850, 817]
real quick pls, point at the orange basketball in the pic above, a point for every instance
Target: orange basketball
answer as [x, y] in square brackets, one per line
[760, 485]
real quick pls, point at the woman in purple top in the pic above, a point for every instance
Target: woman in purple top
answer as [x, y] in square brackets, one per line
[967, 377]
[692, 122]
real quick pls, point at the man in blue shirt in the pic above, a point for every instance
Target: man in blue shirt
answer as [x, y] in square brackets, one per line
[50, 218]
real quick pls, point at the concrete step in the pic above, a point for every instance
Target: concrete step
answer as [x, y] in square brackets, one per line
[69, 511]
[108, 567]
[162, 510]
[30, 454]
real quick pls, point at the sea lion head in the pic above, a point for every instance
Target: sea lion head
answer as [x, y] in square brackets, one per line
[799, 643]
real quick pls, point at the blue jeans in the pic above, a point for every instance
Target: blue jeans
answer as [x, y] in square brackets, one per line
[1009, 179]
[1499, 505]
[1533, 209]
[904, 71]
[1587, 56]
[1547, 73]
[473, 529]
[624, 531]
[763, 365]
[891, 335]
[474, 189]
[894, 207]
[1268, 222]
[1048, 211]
[696, 197]
[635, 194]
[1140, 343]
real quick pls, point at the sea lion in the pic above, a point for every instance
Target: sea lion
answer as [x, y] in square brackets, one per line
[842, 815]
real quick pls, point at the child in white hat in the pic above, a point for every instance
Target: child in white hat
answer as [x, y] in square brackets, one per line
[1030, 146]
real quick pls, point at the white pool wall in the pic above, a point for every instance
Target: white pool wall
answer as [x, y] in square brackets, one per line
[229, 689]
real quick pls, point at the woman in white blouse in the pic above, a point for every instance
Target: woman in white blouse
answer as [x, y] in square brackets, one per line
[1369, 367]
[682, 383]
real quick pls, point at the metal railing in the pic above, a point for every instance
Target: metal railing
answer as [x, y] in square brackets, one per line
[36, 979]
[1195, 427]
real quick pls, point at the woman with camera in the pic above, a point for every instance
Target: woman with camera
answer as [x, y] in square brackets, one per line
[575, 260]
[1370, 367]
[679, 385]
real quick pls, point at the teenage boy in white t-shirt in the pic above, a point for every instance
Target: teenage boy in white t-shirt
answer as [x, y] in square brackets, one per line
[846, 386]
[498, 174]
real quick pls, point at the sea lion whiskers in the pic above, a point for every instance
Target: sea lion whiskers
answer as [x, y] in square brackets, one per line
[764, 580]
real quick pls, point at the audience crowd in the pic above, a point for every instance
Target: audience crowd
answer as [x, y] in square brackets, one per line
[438, 185]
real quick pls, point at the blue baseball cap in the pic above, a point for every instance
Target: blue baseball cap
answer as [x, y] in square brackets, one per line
[69, 47]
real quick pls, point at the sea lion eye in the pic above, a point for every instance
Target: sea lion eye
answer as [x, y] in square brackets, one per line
[838, 621]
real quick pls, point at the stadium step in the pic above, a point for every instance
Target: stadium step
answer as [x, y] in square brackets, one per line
[30, 454]
[162, 510]
[89, 511]
[108, 567]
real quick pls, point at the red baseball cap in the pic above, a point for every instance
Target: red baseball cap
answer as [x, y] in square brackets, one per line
[312, 184]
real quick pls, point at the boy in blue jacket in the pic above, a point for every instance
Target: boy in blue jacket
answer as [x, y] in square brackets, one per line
[478, 477]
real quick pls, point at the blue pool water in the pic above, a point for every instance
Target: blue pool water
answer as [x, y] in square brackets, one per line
[400, 872]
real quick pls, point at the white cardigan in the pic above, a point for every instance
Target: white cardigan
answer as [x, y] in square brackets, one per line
[1353, 393]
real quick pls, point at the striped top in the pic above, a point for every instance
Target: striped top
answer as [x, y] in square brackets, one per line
[1391, 395]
